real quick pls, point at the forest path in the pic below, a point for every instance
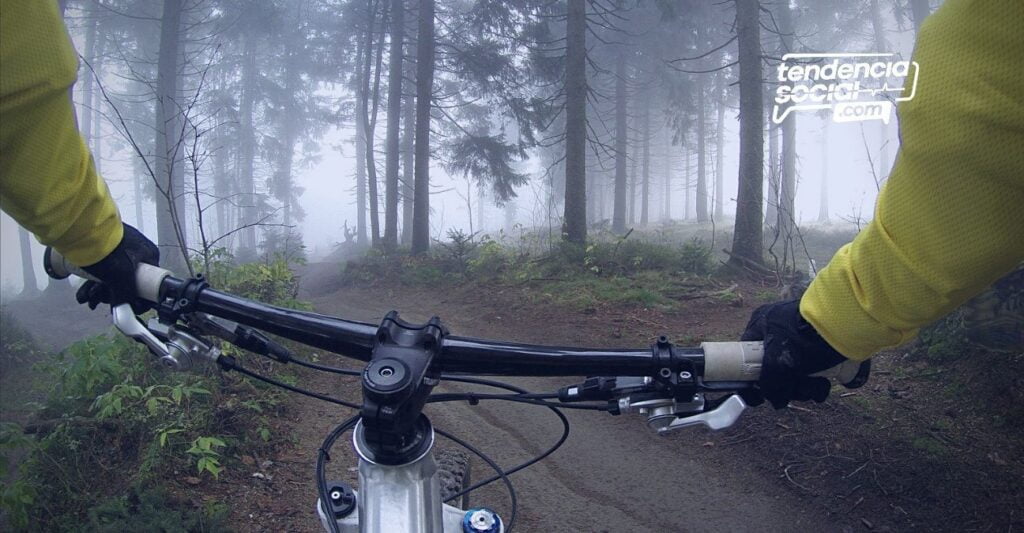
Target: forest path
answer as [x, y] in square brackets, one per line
[613, 474]
[883, 458]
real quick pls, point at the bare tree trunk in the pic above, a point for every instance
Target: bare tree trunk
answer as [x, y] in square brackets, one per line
[720, 91]
[667, 209]
[91, 98]
[408, 135]
[631, 213]
[590, 197]
[170, 175]
[878, 27]
[787, 184]
[686, 188]
[86, 79]
[28, 269]
[481, 194]
[702, 183]
[748, 234]
[368, 123]
[285, 177]
[289, 134]
[424, 88]
[772, 210]
[360, 144]
[221, 185]
[645, 189]
[97, 122]
[920, 10]
[575, 220]
[361, 235]
[621, 138]
[787, 189]
[823, 202]
[140, 174]
[469, 205]
[394, 117]
[510, 217]
[247, 149]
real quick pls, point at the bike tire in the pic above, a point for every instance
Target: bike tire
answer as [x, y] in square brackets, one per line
[453, 471]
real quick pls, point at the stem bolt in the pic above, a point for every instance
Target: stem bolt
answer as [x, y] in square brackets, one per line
[481, 520]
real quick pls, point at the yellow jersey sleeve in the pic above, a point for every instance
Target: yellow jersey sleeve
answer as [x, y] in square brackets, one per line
[950, 219]
[48, 182]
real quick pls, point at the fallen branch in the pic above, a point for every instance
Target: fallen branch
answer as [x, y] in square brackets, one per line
[851, 474]
[649, 322]
[716, 294]
[750, 264]
[44, 427]
[786, 472]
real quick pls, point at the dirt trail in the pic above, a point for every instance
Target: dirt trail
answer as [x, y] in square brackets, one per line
[883, 458]
[613, 474]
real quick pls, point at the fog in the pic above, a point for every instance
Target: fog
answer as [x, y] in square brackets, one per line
[309, 65]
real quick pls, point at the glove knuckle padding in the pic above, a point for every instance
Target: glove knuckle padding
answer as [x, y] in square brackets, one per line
[116, 272]
[793, 351]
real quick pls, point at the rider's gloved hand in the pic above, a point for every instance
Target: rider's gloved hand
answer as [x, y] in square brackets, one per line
[116, 271]
[793, 351]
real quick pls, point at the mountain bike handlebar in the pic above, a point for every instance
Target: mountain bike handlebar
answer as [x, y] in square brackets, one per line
[736, 363]
[674, 387]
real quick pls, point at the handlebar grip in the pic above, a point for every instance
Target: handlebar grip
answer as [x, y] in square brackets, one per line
[148, 278]
[741, 361]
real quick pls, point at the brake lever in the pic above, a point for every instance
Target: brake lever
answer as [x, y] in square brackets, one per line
[127, 323]
[182, 350]
[721, 417]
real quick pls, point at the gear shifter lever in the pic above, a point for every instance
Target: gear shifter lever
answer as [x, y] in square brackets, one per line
[718, 418]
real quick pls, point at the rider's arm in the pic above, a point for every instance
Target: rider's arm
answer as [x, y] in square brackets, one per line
[48, 182]
[950, 219]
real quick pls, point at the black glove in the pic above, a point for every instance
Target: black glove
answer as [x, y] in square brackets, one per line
[793, 351]
[116, 271]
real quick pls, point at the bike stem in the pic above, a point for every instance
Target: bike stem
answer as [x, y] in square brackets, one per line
[396, 384]
[399, 490]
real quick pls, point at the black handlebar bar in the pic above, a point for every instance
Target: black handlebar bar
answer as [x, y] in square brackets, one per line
[733, 363]
[458, 354]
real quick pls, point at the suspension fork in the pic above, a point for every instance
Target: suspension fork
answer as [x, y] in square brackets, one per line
[397, 497]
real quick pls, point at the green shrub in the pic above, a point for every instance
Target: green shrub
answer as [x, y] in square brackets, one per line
[696, 257]
[16, 343]
[153, 509]
[640, 256]
[270, 281]
[372, 266]
[421, 271]
[112, 420]
[17, 497]
[587, 292]
[114, 415]
[456, 252]
[945, 340]
[629, 257]
[491, 259]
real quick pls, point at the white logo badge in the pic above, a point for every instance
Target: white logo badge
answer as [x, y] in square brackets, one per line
[855, 86]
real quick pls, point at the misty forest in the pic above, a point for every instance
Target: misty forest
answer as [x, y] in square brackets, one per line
[581, 172]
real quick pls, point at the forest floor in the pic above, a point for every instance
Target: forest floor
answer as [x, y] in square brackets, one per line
[902, 453]
[921, 447]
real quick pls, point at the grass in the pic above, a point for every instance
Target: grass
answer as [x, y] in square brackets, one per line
[930, 445]
[585, 293]
[618, 272]
[114, 433]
